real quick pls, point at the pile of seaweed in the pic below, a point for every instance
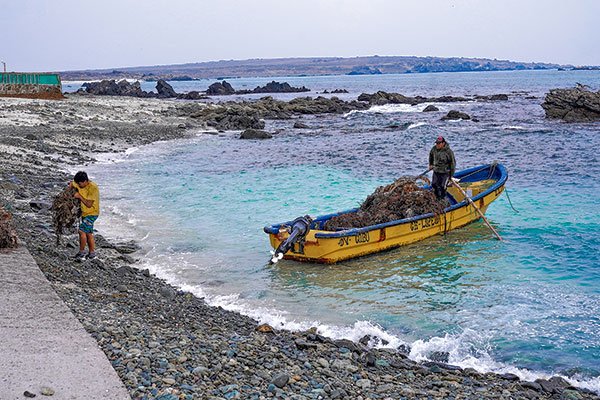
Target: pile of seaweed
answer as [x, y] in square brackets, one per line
[401, 199]
[8, 233]
[65, 211]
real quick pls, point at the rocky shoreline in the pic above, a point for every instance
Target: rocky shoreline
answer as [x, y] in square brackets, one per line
[167, 344]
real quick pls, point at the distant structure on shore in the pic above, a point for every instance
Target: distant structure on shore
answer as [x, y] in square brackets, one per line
[32, 85]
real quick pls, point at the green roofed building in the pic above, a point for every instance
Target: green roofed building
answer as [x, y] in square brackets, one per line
[30, 85]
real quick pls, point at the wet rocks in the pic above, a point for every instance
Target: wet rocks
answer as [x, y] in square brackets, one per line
[493, 97]
[430, 108]
[255, 134]
[300, 125]
[456, 115]
[382, 98]
[577, 104]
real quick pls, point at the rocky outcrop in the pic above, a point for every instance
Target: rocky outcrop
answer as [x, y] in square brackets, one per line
[224, 88]
[164, 89]
[255, 134]
[381, 98]
[276, 87]
[493, 97]
[335, 91]
[109, 87]
[112, 88]
[249, 114]
[453, 115]
[220, 89]
[573, 105]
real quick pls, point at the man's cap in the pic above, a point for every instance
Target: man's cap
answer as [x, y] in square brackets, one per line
[440, 139]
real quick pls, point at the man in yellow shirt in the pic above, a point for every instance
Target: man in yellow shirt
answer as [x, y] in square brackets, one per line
[89, 196]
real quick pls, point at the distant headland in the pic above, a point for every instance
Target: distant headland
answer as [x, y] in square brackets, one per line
[370, 65]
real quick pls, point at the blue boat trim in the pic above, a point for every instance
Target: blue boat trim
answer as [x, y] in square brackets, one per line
[469, 175]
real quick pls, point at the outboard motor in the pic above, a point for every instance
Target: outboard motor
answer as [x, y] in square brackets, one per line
[298, 230]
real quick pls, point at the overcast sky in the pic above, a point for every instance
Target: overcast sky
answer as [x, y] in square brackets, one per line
[55, 35]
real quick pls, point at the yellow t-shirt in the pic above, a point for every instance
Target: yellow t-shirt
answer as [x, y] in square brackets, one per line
[90, 192]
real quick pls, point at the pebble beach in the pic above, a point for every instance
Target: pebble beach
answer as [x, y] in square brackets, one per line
[165, 343]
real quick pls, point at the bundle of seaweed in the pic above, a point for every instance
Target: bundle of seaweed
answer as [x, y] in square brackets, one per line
[399, 200]
[8, 233]
[65, 211]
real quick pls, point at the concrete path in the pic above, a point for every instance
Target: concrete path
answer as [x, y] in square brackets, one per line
[43, 345]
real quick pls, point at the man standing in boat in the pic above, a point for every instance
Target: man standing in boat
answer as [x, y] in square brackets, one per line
[443, 164]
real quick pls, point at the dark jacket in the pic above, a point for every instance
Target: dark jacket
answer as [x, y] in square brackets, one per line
[442, 160]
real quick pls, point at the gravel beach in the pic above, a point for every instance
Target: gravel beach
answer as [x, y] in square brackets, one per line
[165, 343]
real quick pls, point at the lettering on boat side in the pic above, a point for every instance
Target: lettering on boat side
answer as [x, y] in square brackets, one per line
[424, 223]
[362, 237]
[344, 241]
[358, 238]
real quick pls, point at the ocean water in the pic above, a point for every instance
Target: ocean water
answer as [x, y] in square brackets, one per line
[528, 305]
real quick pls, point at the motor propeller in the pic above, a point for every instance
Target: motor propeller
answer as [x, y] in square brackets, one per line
[298, 230]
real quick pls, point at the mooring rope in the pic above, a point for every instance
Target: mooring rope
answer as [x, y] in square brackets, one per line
[510, 202]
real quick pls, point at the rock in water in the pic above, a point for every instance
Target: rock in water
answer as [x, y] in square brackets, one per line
[401, 199]
[220, 89]
[453, 114]
[8, 234]
[431, 108]
[164, 89]
[255, 134]
[573, 105]
[65, 211]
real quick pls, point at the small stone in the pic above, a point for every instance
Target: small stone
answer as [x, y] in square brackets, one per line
[47, 391]
[363, 383]
[167, 292]
[28, 394]
[264, 328]
[169, 381]
[281, 380]
[200, 371]
[323, 362]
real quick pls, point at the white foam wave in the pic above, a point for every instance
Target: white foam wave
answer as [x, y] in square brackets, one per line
[395, 108]
[416, 125]
[470, 350]
[110, 158]
[514, 128]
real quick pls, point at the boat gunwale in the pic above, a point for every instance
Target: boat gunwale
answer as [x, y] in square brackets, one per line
[274, 229]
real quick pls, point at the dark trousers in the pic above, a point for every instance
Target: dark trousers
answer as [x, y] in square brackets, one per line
[439, 183]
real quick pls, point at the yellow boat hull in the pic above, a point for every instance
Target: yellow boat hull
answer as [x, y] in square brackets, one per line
[321, 246]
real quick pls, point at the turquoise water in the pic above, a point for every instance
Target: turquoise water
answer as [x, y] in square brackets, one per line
[527, 305]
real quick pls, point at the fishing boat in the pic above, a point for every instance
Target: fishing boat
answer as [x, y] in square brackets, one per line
[304, 239]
